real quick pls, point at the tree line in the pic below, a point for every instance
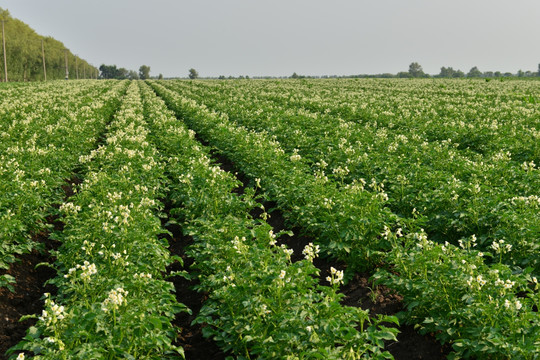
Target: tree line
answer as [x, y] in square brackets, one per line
[26, 51]
[114, 72]
[416, 71]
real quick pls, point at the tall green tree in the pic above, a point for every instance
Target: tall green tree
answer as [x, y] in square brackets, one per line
[474, 72]
[447, 72]
[133, 75]
[193, 74]
[144, 72]
[415, 70]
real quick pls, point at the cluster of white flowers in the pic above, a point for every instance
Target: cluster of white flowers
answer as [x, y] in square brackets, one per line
[147, 167]
[146, 203]
[386, 233]
[114, 196]
[114, 300]
[475, 189]
[502, 156]
[393, 147]
[532, 200]
[142, 276]
[264, 309]
[124, 215]
[87, 270]
[528, 166]
[382, 196]
[288, 252]
[445, 247]
[229, 278]
[310, 251]
[341, 171]
[478, 280]
[512, 305]
[56, 312]
[508, 284]
[70, 208]
[52, 340]
[238, 244]
[328, 203]
[272, 236]
[469, 243]
[88, 246]
[336, 276]
[500, 247]
[322, 164]
[295, 156]
[422, 240]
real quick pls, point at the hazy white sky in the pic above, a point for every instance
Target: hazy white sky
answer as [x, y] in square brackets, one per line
[279, 37]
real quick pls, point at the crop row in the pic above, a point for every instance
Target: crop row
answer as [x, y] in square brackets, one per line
[459, 192]
[42, 133]
[474, 114]
[113, 300]
[260, 303]
[450, 290]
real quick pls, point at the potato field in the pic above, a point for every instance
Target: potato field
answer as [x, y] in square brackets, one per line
[271, 203]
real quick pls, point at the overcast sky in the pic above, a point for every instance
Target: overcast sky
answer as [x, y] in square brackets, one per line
[279, 37]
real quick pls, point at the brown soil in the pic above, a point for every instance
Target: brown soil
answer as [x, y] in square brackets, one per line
[190, 337]
[25, 300]
[30, 282]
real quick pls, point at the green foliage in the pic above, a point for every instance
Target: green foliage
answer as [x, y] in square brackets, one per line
[193, 74]
[113, 300]
[44, 129]
[415, 70]
[487, 311]
[474, 72]
[24, 55]
[433, 158]
[260, 303]
[144, 72]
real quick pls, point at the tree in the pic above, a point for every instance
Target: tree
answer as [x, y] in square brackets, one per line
[538, 73]
[403, 74]
[144, 72]
[193, 74]
[132, 74]
[474, 72]
[459, 74]
[294, 75]
[112, 72]
[447, 72]
[415, 70]
[108, 71]
[160, 77]
[122, 74]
